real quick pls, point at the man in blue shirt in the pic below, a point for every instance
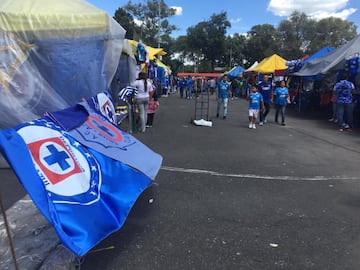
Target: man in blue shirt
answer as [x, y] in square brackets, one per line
[343, 91]
[222, 96]
[265, 89]
[189, 87]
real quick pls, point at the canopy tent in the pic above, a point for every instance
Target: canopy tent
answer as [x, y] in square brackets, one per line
[235, 72]
[252, 66]
[54, 53]
[153, 52]
[331, 62]
[199, 74]
[319, 53]
[296, 65]
[126, 70]
[269, 65]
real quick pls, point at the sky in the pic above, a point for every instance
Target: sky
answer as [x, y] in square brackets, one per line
[243, 14]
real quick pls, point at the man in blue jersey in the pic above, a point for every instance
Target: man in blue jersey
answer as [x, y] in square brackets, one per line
[189, 87]
[265, 89]
[343, 91]
[222, 96]
[281, 94]
[256, 103]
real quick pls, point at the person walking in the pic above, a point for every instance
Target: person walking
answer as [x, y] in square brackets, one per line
[281, 94]
[343, 92]
[181, 86]
[256, 103]
[265, 89]
[142, 98]
[189, 88]
[152, 108]
[222, 96]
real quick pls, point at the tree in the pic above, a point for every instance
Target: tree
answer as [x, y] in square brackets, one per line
[235, 50]
[207, 39]
[332, 32]
[301, 35]
[292, 35]
[126, 21]
[261, 42]
[153, 27]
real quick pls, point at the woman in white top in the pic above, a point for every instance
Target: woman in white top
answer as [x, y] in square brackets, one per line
[142, 98]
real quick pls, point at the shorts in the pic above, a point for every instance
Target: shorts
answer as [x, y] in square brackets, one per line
[254, 112]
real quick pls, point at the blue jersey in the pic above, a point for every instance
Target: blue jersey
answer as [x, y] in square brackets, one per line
[265, 89]
[223, 88]
[343, 90]
[255, 100]
[281, 95]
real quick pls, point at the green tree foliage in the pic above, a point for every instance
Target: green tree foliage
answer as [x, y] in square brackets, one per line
[301, 35]
[153, 26]
[332, 32]
[207, 39]
[261, 42]
[126, 21]
[235, 50]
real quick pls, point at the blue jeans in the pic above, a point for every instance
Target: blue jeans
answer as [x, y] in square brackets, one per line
[265, 112]
[345, 110]
[222, 102]
[281, 109]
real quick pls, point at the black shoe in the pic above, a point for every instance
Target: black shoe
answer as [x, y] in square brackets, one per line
[283, 124]
[217, 115]
[224, 117]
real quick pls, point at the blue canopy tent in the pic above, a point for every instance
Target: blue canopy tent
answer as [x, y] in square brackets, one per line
[235, 72]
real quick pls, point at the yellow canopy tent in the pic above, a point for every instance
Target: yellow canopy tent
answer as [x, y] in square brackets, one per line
[270, 64]
[161, 64]
[152, 51]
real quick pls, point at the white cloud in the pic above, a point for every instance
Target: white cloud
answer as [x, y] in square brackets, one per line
[138, 22]
[178, 10]
[237, 20]
[316, 9]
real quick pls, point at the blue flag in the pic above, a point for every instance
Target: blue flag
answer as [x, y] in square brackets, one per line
[96, 132]
[83, 193]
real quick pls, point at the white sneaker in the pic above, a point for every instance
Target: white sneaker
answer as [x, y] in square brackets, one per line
[261, 123]
[250, 125]
[265, 121]
[254, 127]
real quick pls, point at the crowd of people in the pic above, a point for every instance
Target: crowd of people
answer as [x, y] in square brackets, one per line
[261, 96]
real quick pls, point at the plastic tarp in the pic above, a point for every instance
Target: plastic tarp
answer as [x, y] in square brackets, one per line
[235, 72]
[53, 54]
[333, 61]
[270, 64]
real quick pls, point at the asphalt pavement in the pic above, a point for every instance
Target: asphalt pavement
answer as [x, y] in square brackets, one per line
[230, 197]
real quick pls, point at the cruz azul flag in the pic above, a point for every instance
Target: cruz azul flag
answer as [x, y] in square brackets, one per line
[83, 193]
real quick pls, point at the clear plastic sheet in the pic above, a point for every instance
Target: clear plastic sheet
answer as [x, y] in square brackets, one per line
[53, 54]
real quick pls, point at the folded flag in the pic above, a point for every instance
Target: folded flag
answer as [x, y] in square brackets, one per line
[128, 91]
[85, 194]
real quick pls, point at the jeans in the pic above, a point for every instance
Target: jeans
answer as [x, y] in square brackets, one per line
[265, 113]
[281, 109]
[142, 104]
[188, 92]
[345, 110]
[222, 102]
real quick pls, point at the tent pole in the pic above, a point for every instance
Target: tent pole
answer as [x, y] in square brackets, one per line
[8, 234]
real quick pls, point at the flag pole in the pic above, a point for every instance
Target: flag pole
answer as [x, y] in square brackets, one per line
[8, 233]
